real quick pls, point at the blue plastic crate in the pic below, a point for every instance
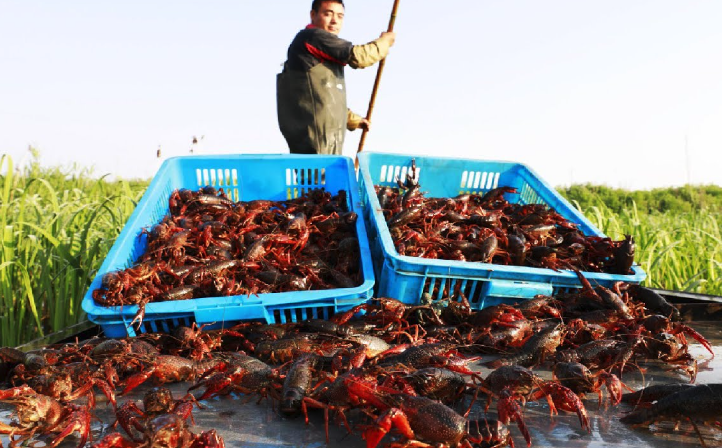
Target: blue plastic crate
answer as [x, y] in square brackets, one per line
[407, 278]
[242, 177]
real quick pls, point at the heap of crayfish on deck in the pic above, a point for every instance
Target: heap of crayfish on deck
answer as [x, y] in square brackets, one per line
[407, 366]
[382, 365]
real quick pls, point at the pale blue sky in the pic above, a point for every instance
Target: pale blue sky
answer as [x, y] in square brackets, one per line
[581, 91]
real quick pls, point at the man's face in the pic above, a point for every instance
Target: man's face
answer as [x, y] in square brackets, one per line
[329, 17]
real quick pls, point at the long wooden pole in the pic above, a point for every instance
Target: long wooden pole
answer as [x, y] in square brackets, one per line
[376, 85]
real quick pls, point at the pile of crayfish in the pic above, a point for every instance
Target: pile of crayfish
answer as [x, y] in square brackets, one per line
[211, 246]
[489, 229]
[399, 374]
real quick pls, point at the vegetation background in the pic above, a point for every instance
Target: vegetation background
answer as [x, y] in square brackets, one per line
[677, 231]
[58, 224]
[681, 200]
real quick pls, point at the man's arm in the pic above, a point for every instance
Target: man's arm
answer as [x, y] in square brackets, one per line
[363, 56]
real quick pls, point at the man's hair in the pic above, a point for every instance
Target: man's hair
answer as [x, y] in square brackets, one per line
[316, 5]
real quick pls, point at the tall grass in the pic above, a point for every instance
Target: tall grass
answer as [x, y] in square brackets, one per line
[56, 226]
[678, 250]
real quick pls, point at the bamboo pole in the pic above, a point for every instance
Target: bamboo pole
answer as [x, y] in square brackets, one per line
[376, 85]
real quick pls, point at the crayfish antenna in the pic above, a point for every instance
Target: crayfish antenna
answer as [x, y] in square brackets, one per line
[699, 434]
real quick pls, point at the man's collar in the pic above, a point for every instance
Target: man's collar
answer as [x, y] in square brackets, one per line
[310, 25]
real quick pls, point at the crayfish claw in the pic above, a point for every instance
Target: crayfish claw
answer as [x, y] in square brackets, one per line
[697, 337]
[139, 316]
[509, 410]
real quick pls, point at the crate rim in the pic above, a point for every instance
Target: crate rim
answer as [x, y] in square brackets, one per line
[223, 302]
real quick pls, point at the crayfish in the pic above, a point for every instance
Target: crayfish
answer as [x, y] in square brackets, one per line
[418, 419]
[695, 404]
[165, 431]
[40, 413]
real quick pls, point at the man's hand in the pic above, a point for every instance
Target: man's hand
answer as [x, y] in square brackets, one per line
[389, 37]
[365, 125]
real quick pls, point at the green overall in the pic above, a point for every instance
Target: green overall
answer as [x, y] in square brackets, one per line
[312, 110]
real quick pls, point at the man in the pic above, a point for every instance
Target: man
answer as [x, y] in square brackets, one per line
[311, 91]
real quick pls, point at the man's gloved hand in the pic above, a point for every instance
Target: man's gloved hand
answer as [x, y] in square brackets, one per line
[389, 37]
[355, 121]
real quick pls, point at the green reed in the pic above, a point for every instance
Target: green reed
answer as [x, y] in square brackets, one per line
[56, 228]
[678, 250]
